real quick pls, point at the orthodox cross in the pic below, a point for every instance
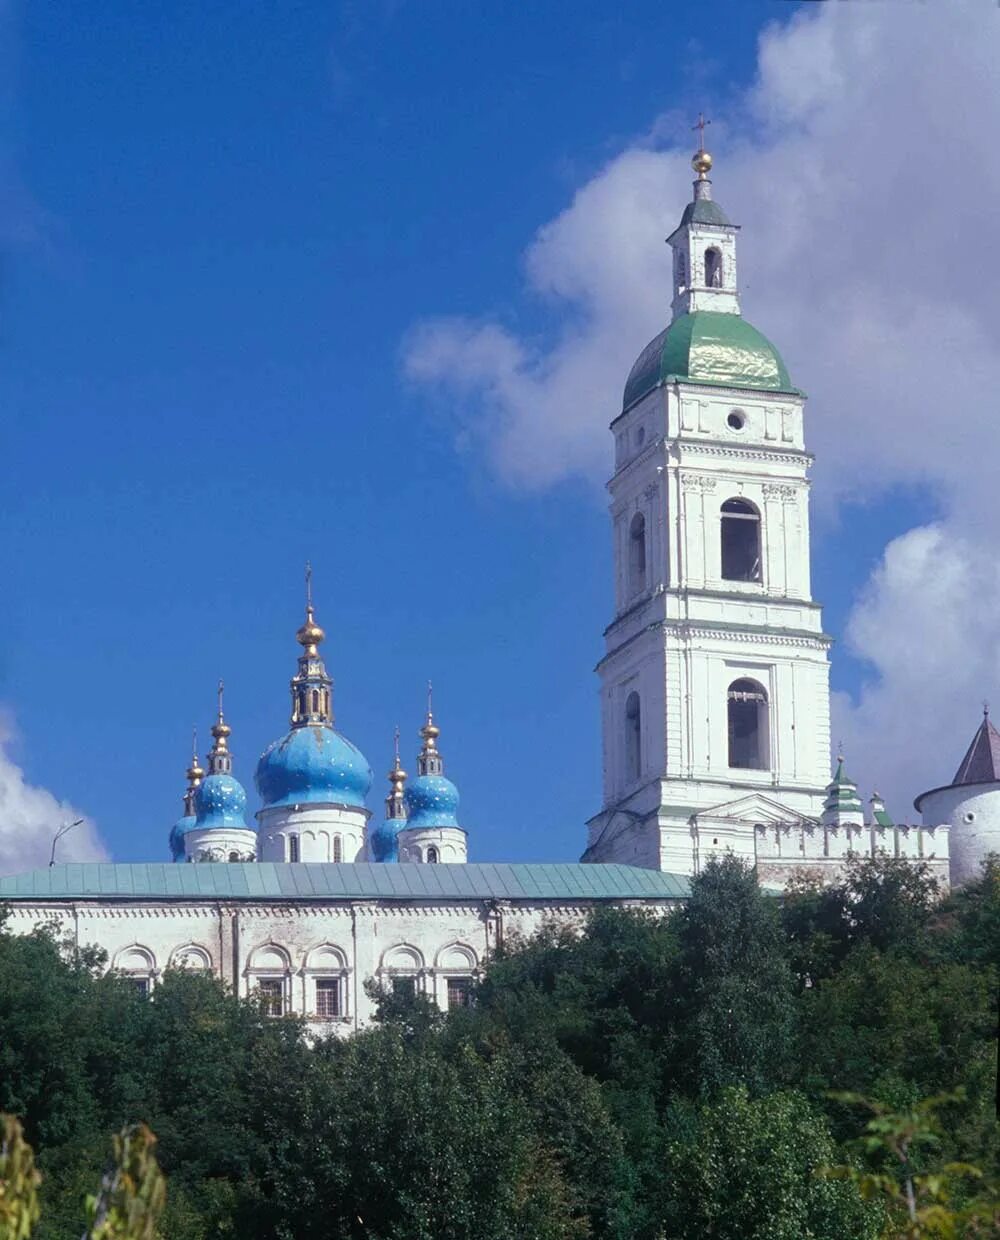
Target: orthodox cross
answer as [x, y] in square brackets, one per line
[700, 124]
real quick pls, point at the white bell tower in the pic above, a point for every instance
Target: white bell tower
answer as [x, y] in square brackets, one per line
[714, 684]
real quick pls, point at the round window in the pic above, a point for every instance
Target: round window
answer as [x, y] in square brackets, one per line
[969, 817]
[736, 420]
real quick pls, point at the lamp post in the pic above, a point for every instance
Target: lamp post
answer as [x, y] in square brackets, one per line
[67, 826]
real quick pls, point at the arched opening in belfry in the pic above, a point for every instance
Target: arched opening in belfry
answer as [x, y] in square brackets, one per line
[682, 278]
[633, 736]
[749, 742]
[740, 541]
[637, 554]
[432, 855]
[713, 268]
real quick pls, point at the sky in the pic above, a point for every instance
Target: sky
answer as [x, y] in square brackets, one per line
[360, 283]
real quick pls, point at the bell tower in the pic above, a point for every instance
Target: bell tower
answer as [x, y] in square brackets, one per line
[715, 678]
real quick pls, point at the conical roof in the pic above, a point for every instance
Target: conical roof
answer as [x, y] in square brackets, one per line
[981, 764]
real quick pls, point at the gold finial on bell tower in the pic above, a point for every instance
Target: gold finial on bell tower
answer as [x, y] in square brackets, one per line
[195, 774]
[220, 760]
[394, 807]
[310, 634]
[701, 161]
[429, 761]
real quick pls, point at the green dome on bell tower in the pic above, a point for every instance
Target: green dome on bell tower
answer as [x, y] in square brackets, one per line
[707, 341]
[706, 346]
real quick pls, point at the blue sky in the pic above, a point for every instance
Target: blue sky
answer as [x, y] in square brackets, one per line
[221, 224]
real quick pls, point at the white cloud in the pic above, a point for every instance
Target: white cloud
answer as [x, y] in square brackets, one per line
[29, 817]
[866, 182]
[928, 623]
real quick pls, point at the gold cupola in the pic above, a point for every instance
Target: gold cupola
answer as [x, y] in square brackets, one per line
[311, 687]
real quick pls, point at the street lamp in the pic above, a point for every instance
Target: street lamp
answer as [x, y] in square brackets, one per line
[67, 826]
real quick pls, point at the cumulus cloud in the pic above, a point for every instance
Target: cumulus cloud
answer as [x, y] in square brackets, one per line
[928, 624]
[863, 175]
[29, 816]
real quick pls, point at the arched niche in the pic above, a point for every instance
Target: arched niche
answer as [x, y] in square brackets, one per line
[268, 958]
[192, 957]
[135, 959]
[457, 956]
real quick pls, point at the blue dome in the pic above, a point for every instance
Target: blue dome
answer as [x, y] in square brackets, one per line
[313, 765]
[431, 801]
[220, 801]
[383, 839]
[177, 833]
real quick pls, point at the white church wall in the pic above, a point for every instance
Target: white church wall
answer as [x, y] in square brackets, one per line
[302, 949]
[321, 833]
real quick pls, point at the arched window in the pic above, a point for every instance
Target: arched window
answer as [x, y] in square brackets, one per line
[432, 855]
[681, 272]
[740, 541]
[315, 701]
[637, 554]
[338, 848]
[326, 701]
[749, 744]
[633, 737]
[293, 848]
[713, 268]
[302, 704]
[234, 856]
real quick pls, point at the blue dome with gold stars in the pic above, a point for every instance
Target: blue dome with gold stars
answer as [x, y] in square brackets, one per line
[383, 839]
[220, 801]
[177, 833]
[313, 764]
[431, 801]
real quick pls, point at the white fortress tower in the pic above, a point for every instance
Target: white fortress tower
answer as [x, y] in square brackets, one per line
[715, 682]
[969, 807]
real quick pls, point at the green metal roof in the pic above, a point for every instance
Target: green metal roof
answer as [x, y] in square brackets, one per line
[704, 211]
[311, 881]
[707, 346]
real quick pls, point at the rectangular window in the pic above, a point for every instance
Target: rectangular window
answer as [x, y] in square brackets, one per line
[272, 996]
[141, 985]
[459, 992]
[405, 987]
[328, 997]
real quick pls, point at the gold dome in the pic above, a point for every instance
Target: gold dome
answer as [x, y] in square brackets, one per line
[701, 162]
[310, 634]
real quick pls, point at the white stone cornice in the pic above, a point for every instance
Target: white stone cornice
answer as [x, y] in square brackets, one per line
[734, 452]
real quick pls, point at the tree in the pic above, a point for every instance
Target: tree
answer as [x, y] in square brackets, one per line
[882, 901]
[745, 1169]
[731, 995]
[933, 1202]
[389, 1139]
[128, 1206]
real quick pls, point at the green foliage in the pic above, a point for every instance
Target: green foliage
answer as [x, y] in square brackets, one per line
[882, 902]
[19, 1206]
[732, 992]
[132, 1196]
[946, 1201]
[647, 1077]
[128, 1206]
[745, 1169]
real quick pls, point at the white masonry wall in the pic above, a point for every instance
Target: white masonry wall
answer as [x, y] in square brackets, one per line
[298, 943]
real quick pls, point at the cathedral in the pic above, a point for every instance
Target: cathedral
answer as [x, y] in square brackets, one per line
[715, 706]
